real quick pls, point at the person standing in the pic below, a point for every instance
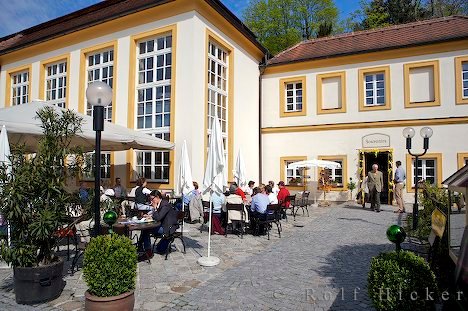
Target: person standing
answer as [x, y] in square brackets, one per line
[375, 184]
[119, 189]
[399, 181]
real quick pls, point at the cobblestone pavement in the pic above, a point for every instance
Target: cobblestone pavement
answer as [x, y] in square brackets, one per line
[319, 263]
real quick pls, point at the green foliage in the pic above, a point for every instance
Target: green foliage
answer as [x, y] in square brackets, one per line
[280, 24]
[34, 198]
[109, 266]
[430, 198]
[351, 184]
[393, 277]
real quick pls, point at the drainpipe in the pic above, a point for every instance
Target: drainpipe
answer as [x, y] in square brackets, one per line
[261, 67]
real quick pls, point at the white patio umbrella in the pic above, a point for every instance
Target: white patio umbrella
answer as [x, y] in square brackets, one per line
[214, 181]
[314, 163]
[5, 159]
[25, 128]
[184, 182]
[239, 172]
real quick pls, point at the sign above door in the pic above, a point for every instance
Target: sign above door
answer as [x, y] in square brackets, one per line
[375, 141]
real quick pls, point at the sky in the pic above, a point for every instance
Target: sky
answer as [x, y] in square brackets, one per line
[16, 15]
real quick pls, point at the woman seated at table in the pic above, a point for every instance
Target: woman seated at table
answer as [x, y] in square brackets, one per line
[141, 195]
[271, 195]
[259, 206]
[162, 211]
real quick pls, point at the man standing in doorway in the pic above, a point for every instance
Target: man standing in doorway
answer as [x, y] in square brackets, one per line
[399, 181]
[375, 183]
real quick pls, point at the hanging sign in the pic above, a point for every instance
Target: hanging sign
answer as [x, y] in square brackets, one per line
[375, 140]
[438, 222]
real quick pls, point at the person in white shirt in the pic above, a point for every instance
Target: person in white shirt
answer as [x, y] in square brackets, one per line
[249, 189]
[274, 188]
[271, 195]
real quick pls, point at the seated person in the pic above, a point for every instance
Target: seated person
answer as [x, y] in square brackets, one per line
[249, 189]
[162, 211]
[218, 203]
[282, 195]
[195, 204]
[194, 192]
[259, 205]
[141, 195]
[271, 195]
[233, 198]
[119, 189]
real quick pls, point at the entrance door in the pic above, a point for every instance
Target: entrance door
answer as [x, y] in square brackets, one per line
[380, 158]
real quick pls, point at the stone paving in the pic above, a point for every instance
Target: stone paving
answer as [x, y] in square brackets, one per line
[319, 263]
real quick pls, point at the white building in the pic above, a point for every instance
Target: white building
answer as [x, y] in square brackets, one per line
[172, 64]
[347, 98]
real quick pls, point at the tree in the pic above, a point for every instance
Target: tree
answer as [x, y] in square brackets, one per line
[280, 24]
[325, 29]
[439, 8]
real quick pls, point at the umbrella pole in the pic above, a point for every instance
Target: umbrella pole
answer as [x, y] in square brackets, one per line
[209, 224]
[209, 261]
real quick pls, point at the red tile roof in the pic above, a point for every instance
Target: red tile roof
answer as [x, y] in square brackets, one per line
[393, 37]
[99, 13]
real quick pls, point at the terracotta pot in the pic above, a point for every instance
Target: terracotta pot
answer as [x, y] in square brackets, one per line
[122, 302]
[38, 284]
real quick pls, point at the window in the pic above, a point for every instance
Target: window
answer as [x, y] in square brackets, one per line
[422, 84]
[430, 170]
[331, 93]
[292, 177]
[461, 79]
[462, 159]
[153, 108]
[19, 88]
[338, 175]
[105, 165]
[56, 83]
[374, 88]
[293, 97]
[218, 91]
[100, 67]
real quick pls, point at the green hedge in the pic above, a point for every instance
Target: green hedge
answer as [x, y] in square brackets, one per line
[394, 277]
[109, 266]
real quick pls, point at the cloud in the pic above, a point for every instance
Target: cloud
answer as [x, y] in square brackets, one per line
[21, 14]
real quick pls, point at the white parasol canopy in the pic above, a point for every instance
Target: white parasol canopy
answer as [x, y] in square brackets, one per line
[239, 172]
[5, 159]
[214, 181]
[184, 183]
[24, 127]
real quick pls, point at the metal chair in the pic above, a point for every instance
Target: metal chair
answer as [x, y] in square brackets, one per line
[302, 204]
[235, 207]
[291, 199]
[272, 216]
[206, 206]
[175, 235]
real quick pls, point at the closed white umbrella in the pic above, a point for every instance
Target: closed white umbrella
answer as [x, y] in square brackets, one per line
[239, 172]
[5, 159]
[313, 164]
[25, 128]
[184, 182]
[214, 181]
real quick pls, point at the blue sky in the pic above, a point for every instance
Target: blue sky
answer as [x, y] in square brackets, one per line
[16, 15]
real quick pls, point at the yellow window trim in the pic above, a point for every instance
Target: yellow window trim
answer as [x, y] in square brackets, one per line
[362, 72]
[320, 77]
[131, 160]
[409, 171]
[283, 161]
[91, 181]
[407, 67]
[344, 159]
[11, 72]
[211, 36]
[42, 75]
[461, 156]
[282, 94]
[458, 80]
[82, 87]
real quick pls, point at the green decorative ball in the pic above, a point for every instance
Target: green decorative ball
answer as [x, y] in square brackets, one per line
[110, 217]
[396, 234]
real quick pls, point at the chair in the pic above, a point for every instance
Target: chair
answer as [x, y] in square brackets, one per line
[272, 217]
[206, 206]
[302, 204]
[235, 207]
[283, 205]
[84, 232]
[175, 235]
[68, 231]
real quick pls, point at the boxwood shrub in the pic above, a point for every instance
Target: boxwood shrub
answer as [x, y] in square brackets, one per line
[109, 265]
[401, 281]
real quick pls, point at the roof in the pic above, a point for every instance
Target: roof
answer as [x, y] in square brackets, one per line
[387, 38]
[100, 13]
[458, 179]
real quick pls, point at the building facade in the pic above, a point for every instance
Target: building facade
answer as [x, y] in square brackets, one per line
[347, 99]
[172, 65]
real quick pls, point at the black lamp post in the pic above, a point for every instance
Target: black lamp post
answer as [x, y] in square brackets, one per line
[99, 95]
[408, 133]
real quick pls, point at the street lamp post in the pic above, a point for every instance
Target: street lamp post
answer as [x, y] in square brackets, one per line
[408, 133]
[99, 95]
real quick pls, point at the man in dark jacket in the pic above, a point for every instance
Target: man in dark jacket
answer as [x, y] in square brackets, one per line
[163, 212]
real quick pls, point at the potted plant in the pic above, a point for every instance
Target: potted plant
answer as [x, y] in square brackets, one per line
[351, 187]
[109, 270]
[34, 201]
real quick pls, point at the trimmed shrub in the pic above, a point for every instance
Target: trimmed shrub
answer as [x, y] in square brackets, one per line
[401, 281]
[109, 265]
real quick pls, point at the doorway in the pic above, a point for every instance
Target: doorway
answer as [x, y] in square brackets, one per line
[384, 159]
